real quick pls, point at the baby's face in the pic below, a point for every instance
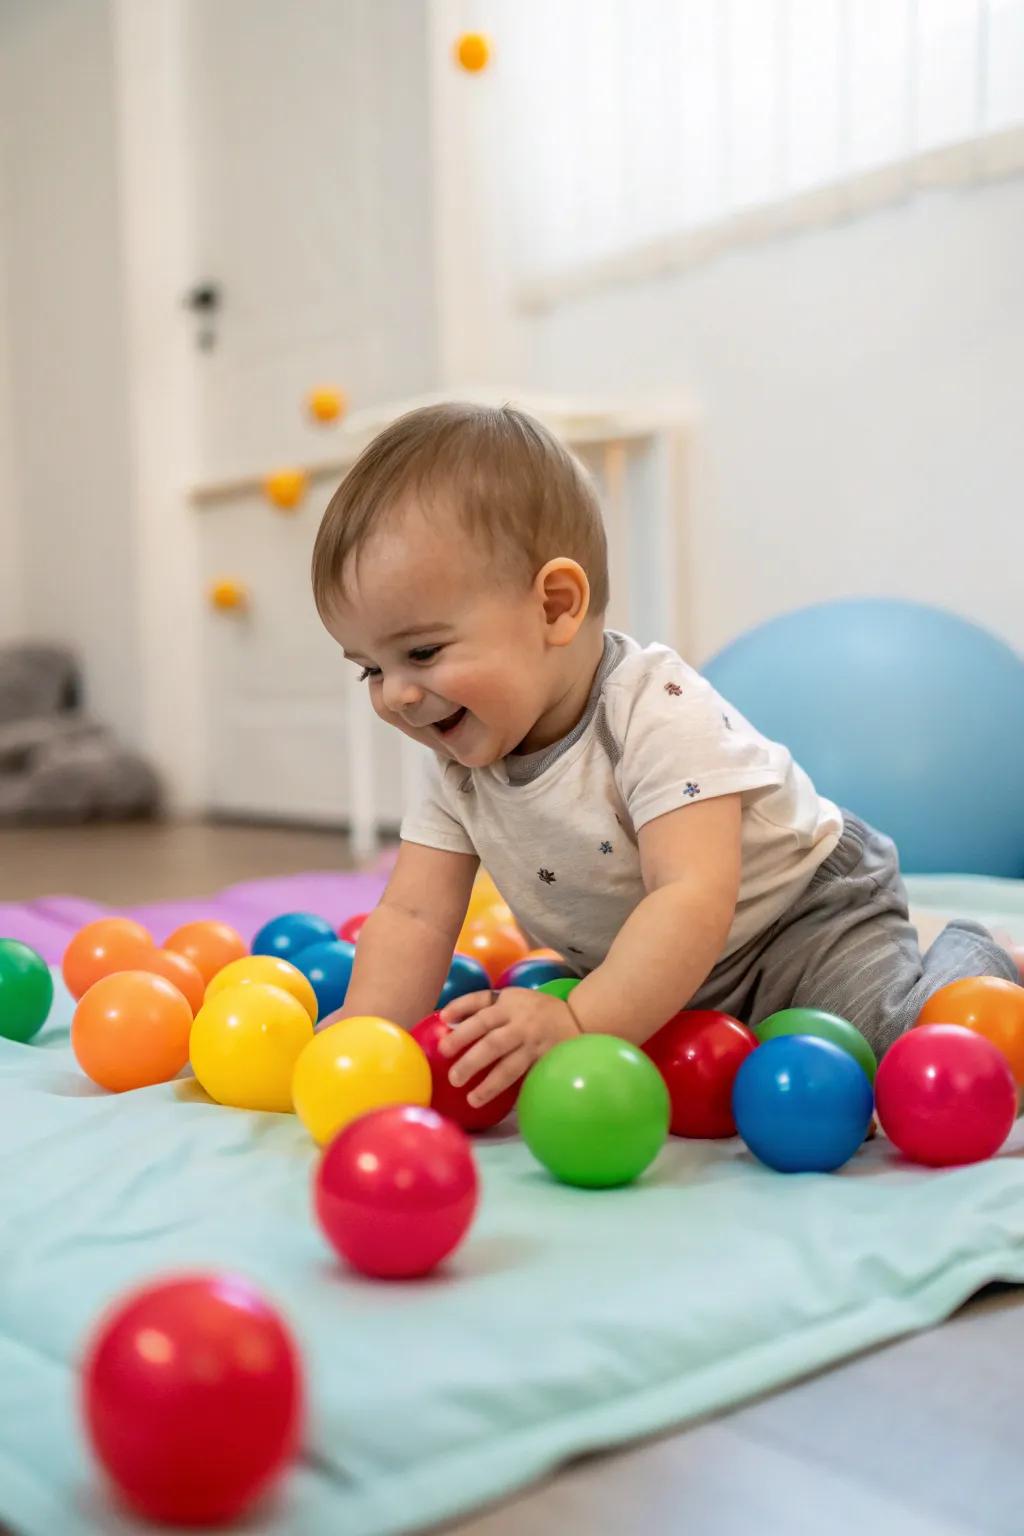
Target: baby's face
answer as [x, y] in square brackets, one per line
[452, 655]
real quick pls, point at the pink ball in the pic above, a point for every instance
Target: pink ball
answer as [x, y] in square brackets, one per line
[352, 927]
[396, 1190]
[945, 1095]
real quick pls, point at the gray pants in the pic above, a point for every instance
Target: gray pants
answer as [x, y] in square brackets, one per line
[847, 945]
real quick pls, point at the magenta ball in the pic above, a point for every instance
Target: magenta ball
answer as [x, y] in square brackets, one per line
[396, 1191]
[945, 1096]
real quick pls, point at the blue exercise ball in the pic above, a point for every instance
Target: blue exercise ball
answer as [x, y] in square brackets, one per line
[288, 935]
[802, 1104]
[328, 969]
[906, 715]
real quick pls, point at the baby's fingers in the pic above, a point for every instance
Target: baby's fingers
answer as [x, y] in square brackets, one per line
[464, 1007]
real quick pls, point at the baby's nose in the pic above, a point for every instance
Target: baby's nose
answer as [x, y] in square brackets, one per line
[401, 694]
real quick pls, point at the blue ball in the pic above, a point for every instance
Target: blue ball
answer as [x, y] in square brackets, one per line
[534, 973]
[288, 935]
[328, 967]
[802, 1105]
[464, 975]
[906, 715]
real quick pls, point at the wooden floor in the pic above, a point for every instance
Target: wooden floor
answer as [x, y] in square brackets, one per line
[922, 1438]
[157, 861]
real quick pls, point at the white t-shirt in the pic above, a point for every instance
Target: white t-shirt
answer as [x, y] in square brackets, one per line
[562, 847]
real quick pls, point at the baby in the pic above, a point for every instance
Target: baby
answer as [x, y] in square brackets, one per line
[631, 818]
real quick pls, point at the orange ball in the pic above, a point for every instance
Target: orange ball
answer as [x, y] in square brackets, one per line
[326, 404]
[285, 488]
[472, 51]
[988, 1005]
[131, 1030]
[495, 945]
[543, 954]
[110, 944]
[178, 970]
[228, 594]
[209, 945]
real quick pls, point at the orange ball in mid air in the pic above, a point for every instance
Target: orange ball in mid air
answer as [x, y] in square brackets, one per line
[110, 944]
[130, 1030]
[285, 488]
[209, 944]
[326, 404]
[991, 1007]
[473, 52]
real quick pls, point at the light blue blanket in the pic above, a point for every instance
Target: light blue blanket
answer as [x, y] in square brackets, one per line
[570, 1320]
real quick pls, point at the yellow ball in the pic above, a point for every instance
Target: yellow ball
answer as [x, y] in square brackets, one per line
[285, 487]
[228, 593]
[244, 1044]
[355, 1066]
[326, 404]
[473, 51]
[265, 971]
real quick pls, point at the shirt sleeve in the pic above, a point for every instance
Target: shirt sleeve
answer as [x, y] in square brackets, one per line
[680, 742]
[431, 820]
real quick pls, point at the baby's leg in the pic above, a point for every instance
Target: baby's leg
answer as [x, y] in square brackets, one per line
[848, 946]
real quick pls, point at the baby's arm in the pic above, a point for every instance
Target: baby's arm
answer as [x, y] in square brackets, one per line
[666, 949]
[405, 945]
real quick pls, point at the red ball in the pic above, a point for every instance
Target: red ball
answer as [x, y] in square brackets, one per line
[698, 1054]
[396, 1190]
[352, 926]
[193, 1397]
[453, 1102]
[945, 1095]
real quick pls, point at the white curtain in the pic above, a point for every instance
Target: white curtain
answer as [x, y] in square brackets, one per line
[612, 124]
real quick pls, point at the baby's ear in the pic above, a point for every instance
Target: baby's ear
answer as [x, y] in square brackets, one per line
[564, 591]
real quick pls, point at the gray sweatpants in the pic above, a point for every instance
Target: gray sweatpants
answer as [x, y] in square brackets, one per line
[847, 945]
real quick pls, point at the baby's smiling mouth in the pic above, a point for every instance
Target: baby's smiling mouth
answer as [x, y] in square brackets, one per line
[443, 727]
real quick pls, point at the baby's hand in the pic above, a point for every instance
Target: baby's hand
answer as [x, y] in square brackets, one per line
[512, 1028]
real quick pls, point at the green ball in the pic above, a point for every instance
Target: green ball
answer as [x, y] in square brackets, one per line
[824, 1026]
[561, 987]
[594, 1111]
[26, 991]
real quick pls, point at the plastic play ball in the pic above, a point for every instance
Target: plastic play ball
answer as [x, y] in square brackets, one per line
[991, 1007]
[177, 969]
[265, 971]
[285, 488]
[328, 968]
[244, 1046]
[326, 404]
[824, 1026]
[395, 1191]
[209, 944]
[698, 1054]
[544, 954]
[228, 595]
[945, 1095]
[288, 935]
[352, 927]
[454, 1102]
[496, 945]
[130, 1030]
[26, 991]
[561, 987]
[534, 973]
[192, 1396]
[472, 52]
[354, 1066]
[886, 704]
[801, 1104]
[464, 976]
[594, 1111]
[110, 944]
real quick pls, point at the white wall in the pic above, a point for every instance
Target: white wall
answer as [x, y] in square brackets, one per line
[861, 392]
[67, 416]
[10, 527]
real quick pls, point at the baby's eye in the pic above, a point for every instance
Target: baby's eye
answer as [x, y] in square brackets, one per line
[423, 653]
[369, 672]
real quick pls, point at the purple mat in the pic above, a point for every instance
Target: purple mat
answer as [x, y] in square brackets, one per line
[49, 923]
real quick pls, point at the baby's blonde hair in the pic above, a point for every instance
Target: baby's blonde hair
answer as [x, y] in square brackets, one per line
[509, 481]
